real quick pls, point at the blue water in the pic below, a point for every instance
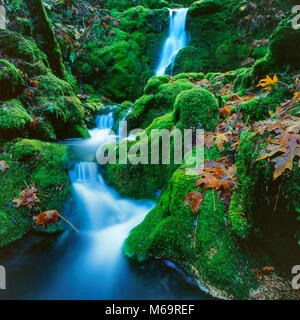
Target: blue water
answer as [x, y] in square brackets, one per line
[175, 41]
[90, 264]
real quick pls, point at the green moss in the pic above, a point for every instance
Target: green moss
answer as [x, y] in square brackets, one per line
[149, 177]
[14, 119]
[11, 80]
[141, 107]
[204, 7]
[168, 92]
[154, 83]
[280, 54]
[273, 219]
[209, 253]
[76, 131]
[243, 80]
[257, 108]
[192, 59]
[237, 217]
[34, 162]
[44, 36]
[16, 46]
[50, 85]
[196, 108]
[195, 76]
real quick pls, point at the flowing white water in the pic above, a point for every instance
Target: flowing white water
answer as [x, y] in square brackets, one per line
[90, 264]
[176, 40]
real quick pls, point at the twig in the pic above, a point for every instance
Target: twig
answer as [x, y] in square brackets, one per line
[237, 116]
[68, 222]
[277, 196]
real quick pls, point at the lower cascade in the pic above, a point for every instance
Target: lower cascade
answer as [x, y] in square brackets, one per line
[90, 264]
[176, 40]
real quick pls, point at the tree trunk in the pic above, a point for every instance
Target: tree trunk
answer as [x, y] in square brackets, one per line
[44, 36]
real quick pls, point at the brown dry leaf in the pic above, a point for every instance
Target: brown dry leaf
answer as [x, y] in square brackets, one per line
[46, 218]
[194, 199]
[28, 198]
[288, 144]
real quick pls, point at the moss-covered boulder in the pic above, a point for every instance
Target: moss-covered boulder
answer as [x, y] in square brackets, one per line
[196, 108]
[149, 177]
[153, 84]
[267, 210]
[284, 48]
[191, 59]
[32, 161]
[202, 245]
[14, 120]
[204, 7]
[11, 80]
[160, 99]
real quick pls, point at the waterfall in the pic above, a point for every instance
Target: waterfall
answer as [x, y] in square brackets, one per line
[176, 40]
[100, 205]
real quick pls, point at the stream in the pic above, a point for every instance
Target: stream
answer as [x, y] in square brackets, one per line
[90, 264]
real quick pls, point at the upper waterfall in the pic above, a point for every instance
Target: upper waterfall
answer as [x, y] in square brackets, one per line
[176, 39]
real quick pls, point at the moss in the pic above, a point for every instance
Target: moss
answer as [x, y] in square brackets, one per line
[275, 226]
[76, 131]
[192, 75]
[149, 177]
[14, 119]
[196, 108]
[204, 7]
[43, 33]
[34, 69]
[243, 80]
[257, 108]
[168, 92]
[141, 107]
[50, 85]
[91, 110]
[154, 83]
[16, 46]
[280, 54]
[34, 162]
[209, 253]
[191, 59]
[11, 80]
[238, 218]
[212, 75]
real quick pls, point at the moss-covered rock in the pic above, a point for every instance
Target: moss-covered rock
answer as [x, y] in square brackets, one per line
[200, 244]
[204, 7]
[196, 108]
[14, 119]
[191, 76]
[11, 80]
[272, 220]
[154, 83]
[284, 46]
[16, 46]
[34, 162]
[50, 85]
[43, 33]
[191, 59]
[149, 177]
